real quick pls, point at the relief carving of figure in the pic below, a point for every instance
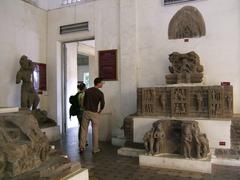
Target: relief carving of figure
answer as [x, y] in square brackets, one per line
[159, 137]
[29, 97]
[196, 135]
[199, 102]
[187, 141]
[229, 101]
[163, 101]
[204, 145]
[149, 141]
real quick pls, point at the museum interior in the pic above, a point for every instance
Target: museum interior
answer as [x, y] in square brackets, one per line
[163, 76]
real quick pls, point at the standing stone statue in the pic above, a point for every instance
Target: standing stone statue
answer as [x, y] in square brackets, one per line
[187, 141]
[29, 97]
[159, 136]
[149, 141]
[196, 135]
[204, 145]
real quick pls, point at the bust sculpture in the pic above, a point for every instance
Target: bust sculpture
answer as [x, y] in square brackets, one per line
[29, 97]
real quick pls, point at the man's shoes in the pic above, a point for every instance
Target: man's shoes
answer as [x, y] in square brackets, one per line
[81, 150]
[96, 151]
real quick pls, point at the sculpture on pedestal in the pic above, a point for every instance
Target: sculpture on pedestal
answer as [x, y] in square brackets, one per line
[186, 68]
[29, 97]
[187, 140]
[148, 140]
[176, 137]
[159, 136]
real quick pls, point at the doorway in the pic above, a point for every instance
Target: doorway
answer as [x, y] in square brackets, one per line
[79, 66]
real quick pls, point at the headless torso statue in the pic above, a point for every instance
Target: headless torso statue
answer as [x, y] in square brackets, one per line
[29, 97]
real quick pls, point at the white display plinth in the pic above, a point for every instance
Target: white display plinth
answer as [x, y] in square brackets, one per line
[174, 162]
[131, 152]
[52, 133]
[79, 174]
[9, 109]
[217, 130]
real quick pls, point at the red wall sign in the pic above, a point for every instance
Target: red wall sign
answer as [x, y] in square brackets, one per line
[108, 65]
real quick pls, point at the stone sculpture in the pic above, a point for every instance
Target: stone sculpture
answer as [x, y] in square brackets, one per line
[187, 101]
[187, 141]
[29, 97]
[25, 150]
[187, 23]
[176, 137]
[159, 136]
[148, 140]
[185, 68]
[43, 120]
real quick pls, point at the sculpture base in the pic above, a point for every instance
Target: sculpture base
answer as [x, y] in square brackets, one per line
[9, 109]
[218, 138]
[52, 133]
[130, 152]
[176, 162]
[77, 173]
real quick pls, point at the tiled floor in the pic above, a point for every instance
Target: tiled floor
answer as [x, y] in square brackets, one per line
[107, 165]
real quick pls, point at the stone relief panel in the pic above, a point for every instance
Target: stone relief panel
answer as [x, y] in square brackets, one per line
[188, 22]
[148, 103]
[186, 101]
[176, 137]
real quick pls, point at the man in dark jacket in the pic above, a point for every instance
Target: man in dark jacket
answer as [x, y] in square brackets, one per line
[93, 97]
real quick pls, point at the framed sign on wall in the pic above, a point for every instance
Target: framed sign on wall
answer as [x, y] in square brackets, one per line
[108, 65]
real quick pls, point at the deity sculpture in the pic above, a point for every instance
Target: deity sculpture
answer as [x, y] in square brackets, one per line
[187, 141]
[149, 141]
[195, 137]
[176, 137]
[29, 97]
[159, 136]
[204, 145]
[185, 68]
[199, 102]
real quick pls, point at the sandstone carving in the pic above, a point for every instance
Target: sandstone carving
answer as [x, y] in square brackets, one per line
[177, 137]
[185, 68]
[43, 120]
[187, 23]
[29, 97]
[187, 101]
[25, 150]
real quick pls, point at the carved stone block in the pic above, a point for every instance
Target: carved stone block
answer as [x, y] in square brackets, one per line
[186, 101]
[188, 22]
[176, 137]
[25, 150]
[185, 68]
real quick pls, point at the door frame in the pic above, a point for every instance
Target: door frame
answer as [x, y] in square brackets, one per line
[64, 79]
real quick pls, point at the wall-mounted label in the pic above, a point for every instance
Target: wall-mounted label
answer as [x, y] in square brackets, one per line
[222, 143]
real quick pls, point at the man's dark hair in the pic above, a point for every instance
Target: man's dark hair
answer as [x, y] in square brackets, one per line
[97, 81]
[81, 86]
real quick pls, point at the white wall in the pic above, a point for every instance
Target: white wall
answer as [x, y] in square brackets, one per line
[219, 49]
[103, 25]
[23, 31]
[81, 70]
[71, 79]
[139, 30]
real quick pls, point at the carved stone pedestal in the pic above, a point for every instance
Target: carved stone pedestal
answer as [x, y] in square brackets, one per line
[167, 161]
